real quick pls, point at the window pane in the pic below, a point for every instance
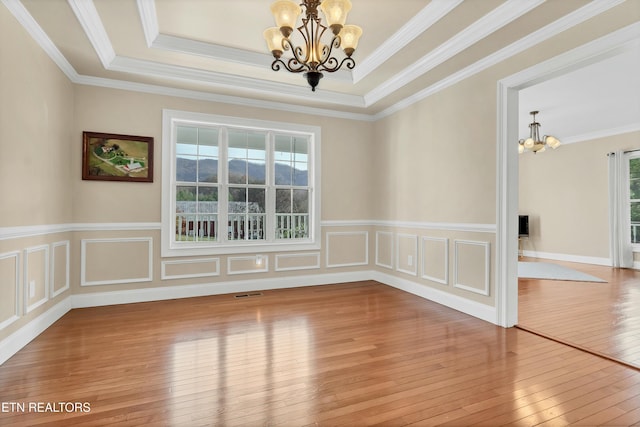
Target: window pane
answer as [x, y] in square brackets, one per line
[207, 170]
[237, 200]
[300, 201]
[186, 140]
[283, 175]
[186, 168]
[256, 199]
[185, 212]
[283, 201]
[256, 217]
[635, 222]
[237, 171]
[208, 142]
[634, 168]
[257, 173]
[208, 199]
[300, 149]
[184, 193]
[300, 175]
[247, 157]
[291, 156]
[283, 148]
[634, 189]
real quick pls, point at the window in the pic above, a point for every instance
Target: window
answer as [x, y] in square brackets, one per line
[238, 185]
[634, 198]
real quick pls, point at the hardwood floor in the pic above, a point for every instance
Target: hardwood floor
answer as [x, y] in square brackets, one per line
[350, 354]
[600, 317]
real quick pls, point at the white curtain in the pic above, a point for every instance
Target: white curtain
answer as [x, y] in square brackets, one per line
[619, 225]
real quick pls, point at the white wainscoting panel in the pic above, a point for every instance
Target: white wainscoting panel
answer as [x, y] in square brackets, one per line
[303, 261]
[107, 255]
[9, 288]
[36, 273]
[472, 267]
[248, 264]
[435, 259]
[407, 253]
[384, 249]
[60, 267]
[347, 248]
[190, 268]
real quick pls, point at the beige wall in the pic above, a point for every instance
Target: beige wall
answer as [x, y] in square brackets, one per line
[36, 117]
[435, 161]
[36, 114]
[565, 193]
[346, 154]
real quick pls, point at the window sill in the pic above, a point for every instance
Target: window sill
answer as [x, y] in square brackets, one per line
[239, 248]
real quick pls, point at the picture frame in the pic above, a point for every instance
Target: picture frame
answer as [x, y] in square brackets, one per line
[114, 157]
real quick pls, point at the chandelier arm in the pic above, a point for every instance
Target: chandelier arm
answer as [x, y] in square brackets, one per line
[325, 55]
[292, 65]
[298, 59]
[332, 64]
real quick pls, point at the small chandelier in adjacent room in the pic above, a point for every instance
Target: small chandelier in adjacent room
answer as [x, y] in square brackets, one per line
[315, 56]
[534, 143]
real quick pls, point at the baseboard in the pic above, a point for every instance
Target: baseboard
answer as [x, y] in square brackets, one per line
[570, 258]
[472, 308]
[97, 299]
[23, 336]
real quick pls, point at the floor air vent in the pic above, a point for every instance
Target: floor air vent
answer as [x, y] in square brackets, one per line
[252, 294]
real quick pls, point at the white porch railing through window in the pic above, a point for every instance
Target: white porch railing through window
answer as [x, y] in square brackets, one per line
[205, 227]
[196, 227]
[292, 226]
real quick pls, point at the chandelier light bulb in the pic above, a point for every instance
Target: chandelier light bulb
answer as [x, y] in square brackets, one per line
[274, 37]
[336, 12]
[552, 141]
[350, 35]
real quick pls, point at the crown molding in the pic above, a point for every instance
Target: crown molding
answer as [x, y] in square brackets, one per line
[157, 40]
[212, 97]
[211, 50]
[483, 27]
[91, 23]
[428, 16]
[148, 20]
[215, 79]
[615, 40]
[604, 133]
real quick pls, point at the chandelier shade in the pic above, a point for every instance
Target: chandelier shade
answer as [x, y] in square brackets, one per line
[315, 55]
[534, 142]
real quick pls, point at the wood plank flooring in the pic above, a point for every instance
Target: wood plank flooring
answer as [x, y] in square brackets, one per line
[350, 354]
[600, 317]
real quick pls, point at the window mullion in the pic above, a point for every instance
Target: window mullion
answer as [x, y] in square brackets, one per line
[271, 191]
[223, 180]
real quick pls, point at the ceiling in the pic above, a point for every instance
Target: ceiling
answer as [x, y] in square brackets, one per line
[214, 49]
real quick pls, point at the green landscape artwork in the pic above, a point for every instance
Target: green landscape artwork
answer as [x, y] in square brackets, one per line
[111, 157]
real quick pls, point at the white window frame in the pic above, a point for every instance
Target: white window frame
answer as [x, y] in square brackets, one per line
[171, 119]
[635, 247]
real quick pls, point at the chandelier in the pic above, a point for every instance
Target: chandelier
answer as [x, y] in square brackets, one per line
[315, 56]
[534, 142]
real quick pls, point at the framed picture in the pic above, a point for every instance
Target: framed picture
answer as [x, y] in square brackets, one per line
[112, 157]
